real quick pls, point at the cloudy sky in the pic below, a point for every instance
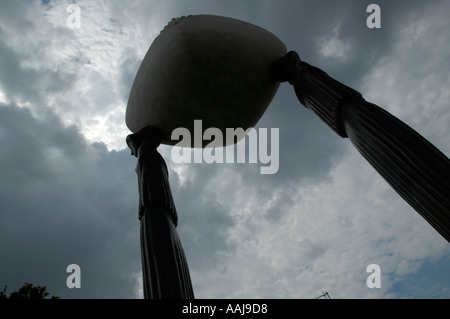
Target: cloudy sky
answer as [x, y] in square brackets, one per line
[68, 190]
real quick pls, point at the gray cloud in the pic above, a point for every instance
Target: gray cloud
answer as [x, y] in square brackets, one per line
[68, 197]
[62, 203]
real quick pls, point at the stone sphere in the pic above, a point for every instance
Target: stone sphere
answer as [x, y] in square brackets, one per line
[204, 67]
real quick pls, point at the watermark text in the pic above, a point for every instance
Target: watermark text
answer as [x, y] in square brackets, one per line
[374, 279]
[374, 19]
[74, 279]
[73, 21]
[259, 149]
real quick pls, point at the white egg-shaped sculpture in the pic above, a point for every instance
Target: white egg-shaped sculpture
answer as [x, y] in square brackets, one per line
[204, 67]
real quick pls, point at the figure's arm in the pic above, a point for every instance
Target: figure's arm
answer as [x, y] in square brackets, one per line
[416, 169]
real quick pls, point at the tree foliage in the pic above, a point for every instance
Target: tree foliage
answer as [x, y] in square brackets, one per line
[27, 291]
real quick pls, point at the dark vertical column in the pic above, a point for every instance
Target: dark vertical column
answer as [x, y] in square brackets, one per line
[417, 170]
[164, 266]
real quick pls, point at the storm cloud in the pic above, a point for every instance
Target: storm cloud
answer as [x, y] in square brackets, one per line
[68, 189]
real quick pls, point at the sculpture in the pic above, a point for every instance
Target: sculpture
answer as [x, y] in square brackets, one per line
[225, 72]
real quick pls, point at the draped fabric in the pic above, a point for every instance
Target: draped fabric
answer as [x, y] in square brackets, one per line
[164, 265]
[415, 169]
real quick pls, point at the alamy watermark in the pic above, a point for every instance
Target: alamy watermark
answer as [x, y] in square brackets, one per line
[259, 149]
[373, 21]
[374, 279]
[73, 21]
[74, 279]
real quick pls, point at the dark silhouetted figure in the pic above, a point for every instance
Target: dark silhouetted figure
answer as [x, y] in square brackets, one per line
[165, 269]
